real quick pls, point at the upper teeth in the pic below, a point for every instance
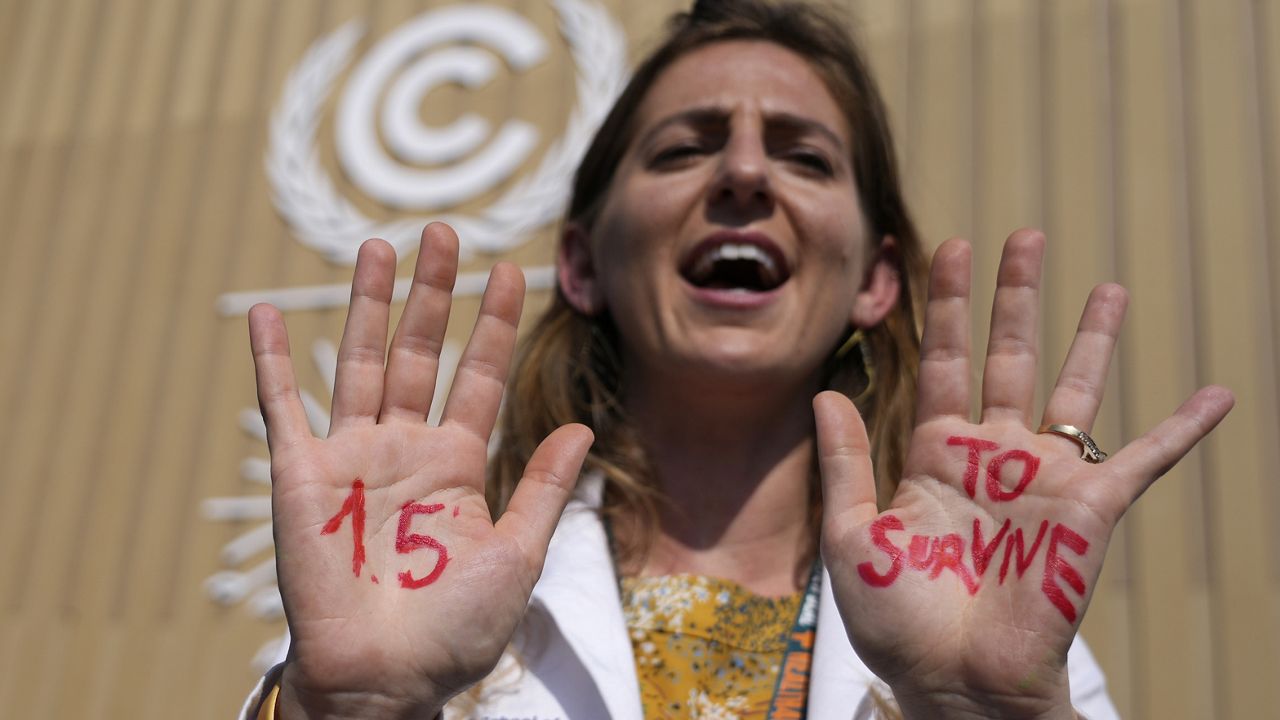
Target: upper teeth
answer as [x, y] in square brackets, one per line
[735, 251]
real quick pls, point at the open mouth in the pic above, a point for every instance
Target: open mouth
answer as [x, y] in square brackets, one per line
[741, 265]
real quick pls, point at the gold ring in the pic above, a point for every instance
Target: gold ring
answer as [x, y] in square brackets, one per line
[1089, 450]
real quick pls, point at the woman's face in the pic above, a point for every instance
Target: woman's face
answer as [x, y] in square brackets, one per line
[732, 239]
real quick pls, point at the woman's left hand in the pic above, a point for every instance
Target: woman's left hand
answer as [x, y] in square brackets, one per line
[965, 594]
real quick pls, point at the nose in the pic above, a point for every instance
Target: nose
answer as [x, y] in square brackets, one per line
[742, 181]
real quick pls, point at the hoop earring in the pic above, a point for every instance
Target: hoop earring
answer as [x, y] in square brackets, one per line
[858, 339]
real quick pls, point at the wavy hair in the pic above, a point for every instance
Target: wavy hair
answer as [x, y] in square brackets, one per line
[568, 369]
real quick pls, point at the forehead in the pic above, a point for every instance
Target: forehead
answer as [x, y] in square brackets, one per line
[743, 75]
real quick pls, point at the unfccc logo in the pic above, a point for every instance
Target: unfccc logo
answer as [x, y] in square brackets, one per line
[508, 34]
[424, 168]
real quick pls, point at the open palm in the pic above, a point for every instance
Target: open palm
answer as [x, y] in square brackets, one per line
[965, 594]
[399, 589]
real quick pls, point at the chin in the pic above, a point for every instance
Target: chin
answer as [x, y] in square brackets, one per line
[749, 364]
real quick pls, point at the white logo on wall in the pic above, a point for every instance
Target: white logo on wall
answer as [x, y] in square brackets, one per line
[389, 154]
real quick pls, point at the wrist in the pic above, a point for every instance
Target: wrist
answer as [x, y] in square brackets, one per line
[967, 704]
[947, 708]
[294, 702]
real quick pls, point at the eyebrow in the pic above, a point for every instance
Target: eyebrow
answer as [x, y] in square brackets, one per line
[711, 115]
[801, 124]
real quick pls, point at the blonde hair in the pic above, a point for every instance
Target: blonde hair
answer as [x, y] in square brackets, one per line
[568, 370]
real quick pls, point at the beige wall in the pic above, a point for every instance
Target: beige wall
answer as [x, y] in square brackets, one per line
[1141, 134]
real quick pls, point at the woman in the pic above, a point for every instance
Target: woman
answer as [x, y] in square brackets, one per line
[736, 219]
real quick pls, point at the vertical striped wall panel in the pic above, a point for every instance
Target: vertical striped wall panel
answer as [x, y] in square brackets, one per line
[1142, 135]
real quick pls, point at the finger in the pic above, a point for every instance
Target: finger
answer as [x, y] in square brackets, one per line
[1009, 378]
[357, 391]
[544, 490]
[414, 359]
[277, 386]
[1078, 393]
[1139, 463]
[481, 376]
[944, 348]
[844, 461]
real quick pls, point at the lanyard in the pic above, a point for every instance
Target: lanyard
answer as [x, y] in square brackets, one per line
[791, 694]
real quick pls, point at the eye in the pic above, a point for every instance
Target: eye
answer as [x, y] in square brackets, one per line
[674, 155]
[811, 160]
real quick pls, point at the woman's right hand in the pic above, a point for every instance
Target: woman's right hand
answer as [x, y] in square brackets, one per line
[400, 591]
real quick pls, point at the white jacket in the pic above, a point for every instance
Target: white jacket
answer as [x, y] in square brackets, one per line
[576, 660]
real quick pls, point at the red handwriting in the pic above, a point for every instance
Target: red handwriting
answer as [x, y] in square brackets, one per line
[1018, 546]
[934, 554]
[1056, 565]
[353, 506]
[996, 491]
[976, 446]
[406, 542]
[945, 553]
[880, 538]
[982, 552]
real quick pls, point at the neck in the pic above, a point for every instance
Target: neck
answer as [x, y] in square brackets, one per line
[734, 465]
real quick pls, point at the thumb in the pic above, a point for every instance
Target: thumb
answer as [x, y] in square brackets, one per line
[844, 461]
[544, 490]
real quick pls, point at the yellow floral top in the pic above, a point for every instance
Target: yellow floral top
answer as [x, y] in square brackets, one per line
[706, 649]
